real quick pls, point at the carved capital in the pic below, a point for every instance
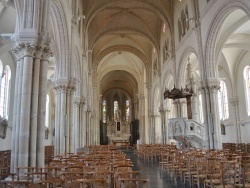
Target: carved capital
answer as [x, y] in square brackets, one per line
[77, 103]
[38, 53]
[29, 50]
[74, 22]
[17, 52]
[213, 88]
[46, 54]
[234, 101]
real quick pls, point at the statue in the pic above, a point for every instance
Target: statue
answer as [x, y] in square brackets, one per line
[3, 127]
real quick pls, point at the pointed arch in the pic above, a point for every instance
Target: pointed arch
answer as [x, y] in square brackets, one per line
[63, 65]
[210, 53]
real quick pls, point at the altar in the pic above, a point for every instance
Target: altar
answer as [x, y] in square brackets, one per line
[118, 132]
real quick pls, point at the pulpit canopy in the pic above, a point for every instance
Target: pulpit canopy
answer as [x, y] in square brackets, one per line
[176, 93]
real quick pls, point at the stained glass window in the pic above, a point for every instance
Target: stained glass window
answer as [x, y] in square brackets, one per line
[104, 112]
[127, 110]
[223, 101]
[4, 92]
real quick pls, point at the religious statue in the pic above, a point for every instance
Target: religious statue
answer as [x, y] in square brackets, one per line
[3, 127]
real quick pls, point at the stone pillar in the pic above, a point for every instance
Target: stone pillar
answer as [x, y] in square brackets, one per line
[183, 107]
[29, 110]
[176, 108]
[161, 110]
[235, 104]
[211, 114]
[152, 129]
[63, 115]
[24, 132]
[42, 107]
[57, 121]
[167, 116]
[195, 114]
[34, 109]
[77, 126]
[88, 126]
[142, 118]
[158, 129]
[16, 114]
[83, 123]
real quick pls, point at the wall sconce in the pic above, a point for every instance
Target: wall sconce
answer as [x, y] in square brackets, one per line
[46, 133]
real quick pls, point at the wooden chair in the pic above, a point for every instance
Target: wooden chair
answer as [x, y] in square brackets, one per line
[229, 174]
[133, 182]
[93, 183]
[213, 172]
[245, 178]
[200, 168]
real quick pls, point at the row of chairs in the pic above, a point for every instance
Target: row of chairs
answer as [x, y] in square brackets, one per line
[97, 168]
[212, 168]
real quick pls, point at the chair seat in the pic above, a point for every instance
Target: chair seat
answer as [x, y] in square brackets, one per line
[223, 186]
[247, 185]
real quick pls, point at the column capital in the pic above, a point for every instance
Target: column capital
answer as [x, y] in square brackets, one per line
[234, 101]
[148, 85]
[74, 22]
[67, 85]
[29, 50]
[38, 53]
[17, 52]
[46, 54]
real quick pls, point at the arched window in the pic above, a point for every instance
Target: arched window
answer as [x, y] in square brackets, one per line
[47, 112]
[247, 88]
[116, 108]
[223, 101]
[4, 92]
[127, 110]
[164, 28]
[201, 109]
[104, 111]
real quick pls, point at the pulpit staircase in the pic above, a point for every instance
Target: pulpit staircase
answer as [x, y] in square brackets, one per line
[186, 132]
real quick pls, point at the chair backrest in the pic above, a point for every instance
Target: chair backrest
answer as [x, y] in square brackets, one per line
[245, 167]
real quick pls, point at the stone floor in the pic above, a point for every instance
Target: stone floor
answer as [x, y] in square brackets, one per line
[152, 172]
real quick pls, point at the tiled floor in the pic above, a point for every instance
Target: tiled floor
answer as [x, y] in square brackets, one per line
[152, 171]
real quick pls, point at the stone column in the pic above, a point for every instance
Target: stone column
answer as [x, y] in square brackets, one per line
[158, 130]
[211, 114]
[24, 132]
[57, 121]
[63, 115]
[34, 109]
[88, 126]
[16, 114]
[162, 113]
[167, 115]
[142, 118]
[175, 105]
[83, 123]
[42, 107]
[235, 104]
[151, 129]
[204, 93]
[195, 114]
[77, 125]
[183, 107]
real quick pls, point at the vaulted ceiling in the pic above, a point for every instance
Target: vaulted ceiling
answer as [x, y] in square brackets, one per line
[121, 34]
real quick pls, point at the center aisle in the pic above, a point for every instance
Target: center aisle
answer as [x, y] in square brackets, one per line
[152, 172]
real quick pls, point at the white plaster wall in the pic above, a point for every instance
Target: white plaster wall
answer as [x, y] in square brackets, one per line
[245, 133]
[230, 134]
